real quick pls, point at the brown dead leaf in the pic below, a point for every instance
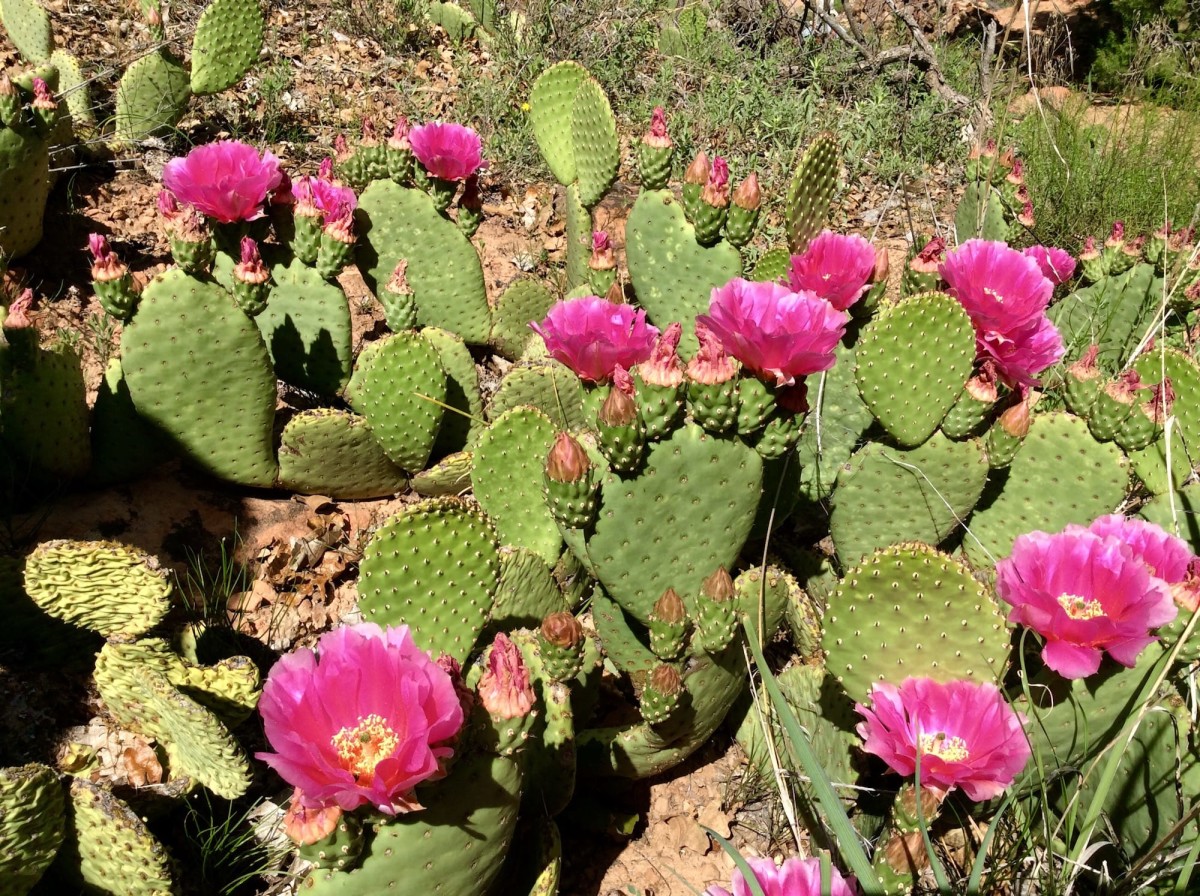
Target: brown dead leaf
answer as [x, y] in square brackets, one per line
[141, 765]
[682, 832]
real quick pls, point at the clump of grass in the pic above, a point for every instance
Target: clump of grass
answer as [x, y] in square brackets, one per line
[1088, 165]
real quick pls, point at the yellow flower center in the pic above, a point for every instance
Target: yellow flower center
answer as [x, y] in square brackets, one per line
[364, 746]
[1078, 608]
[951, 749]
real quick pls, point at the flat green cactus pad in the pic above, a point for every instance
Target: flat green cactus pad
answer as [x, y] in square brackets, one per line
[463, 417]
[773, 264]
[911, 363]
[114, 852]
[527, 594]
[594, 136]
[1150, 463]
[24, 188]
[836, 422]
[811, 190]
[980, 214]
[621, 643]
[546, 385]
[72, 86]
[510, 457]
[449, 476]
[45, 418]
[434, 566]
[524, 301]
[672, 274]
[444, 271]
[110, 588]
[327, 451]
[551, 105]
[694, 503]
[124, 446]
[1177, 513]
[197, 368]
[453, 847]
[888, 495]
[28, 27]
[1041, 492]
[457, 22]
[32, 825]
[306, 326]
[399, 385]
[764, 591]
[228, 39]
[1112, 313]
[152, 96]
[579, 243]
[134, 680]
[910, 610]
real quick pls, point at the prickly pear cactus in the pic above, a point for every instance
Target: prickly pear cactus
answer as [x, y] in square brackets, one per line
[811, 190]
[227, 42]
[33, 824]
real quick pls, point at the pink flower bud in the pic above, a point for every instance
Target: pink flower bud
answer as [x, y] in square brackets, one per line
[1017, 175]
[619, 408]
[1015, 420]
[567, 461]
[168, 207]
[716, 190]
[339, 225]
[504, 689]
[1026, 216]
[1008, 157]
[251, 268]
[989, 149]
[105, 264]
[882, 266]
[308, 825]
[602, 258]
[657, 136]
[18, 312]
[1116, 238]
[697, 172]
[42, 98]
[747, 195]
[399, 138]
[370, 137]
[1089, 251]
[664, 368]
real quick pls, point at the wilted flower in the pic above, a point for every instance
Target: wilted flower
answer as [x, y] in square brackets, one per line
[448, 151]
[839, 268]
[307, 825]
[364, 719]
[602, 258]
[227, 180]
[716, 189]
[17, 317]
[657, 136]
[930, 258]
[593, 336]
[105, 264]
[399, 138]
[712, 364]
[664, 367]
[1056, 265]
[965, 733]
[778, 334]
[43, 99]
[1086, 594]
[251, 268]
[795, 877]
[504, 688]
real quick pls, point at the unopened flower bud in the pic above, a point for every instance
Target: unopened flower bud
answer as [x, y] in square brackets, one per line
[697, 172]
[1116, 238]
[505, 689]
[1008, 158]
[306, 826]
[718, 586]
[251, 268]
[657, 136]
[562, 630]
[602, 258]
[1089, 251]
[567, 461]
[666, 680]
[716, 189]
[1016, 176]
[882, 266]
[747, 195]
[105, 264]
[43, 99]
[669, 608]
[1016, 419]
[619, 408]
[399, 138]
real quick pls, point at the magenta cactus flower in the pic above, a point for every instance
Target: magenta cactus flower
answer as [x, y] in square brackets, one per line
[1056, 265]
[364, 719]
[1000, 288]
[593, 336]
[227, 181]
[1087, 594]
[837, 267]
[320, 195]
[448, 151]
[1021, 354]
[795, 877]
[778, 334]
[965, 733]
[1167, 556]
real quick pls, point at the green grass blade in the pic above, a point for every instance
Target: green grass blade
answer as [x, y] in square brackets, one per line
[844, 834]
[742, 866]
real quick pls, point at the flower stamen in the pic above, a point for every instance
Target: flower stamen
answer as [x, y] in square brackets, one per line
[945, 747]
[365, 745]
[1080, 608]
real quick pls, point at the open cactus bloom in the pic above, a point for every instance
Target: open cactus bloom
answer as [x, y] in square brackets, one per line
[966, 735]
[838, 268]
[795, 877]
[321, 196]
[1056, 265]
[1093, 591]
[447, 151]
[777, 334]
[1005, 294]
[594, 336]
[362, 720]
[228, 181]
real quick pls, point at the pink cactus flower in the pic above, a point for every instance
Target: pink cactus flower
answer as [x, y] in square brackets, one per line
[664, 367]
[504, 688]
[594, 336]
[319, 195]
[657, 136]
[364, 719]
[839, 268]
[448, 151]
[965, 733]
[1000, 288]
[228, 181]
[795, 877]
[1086, 594]
[1056, 265]
[1167, 556]
[1020, 355]
[105, 264]
[775, 332]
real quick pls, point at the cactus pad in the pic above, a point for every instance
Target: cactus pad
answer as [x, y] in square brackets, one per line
[673, 275]
[32, 825]
[811, 190]
[1043, 492]
[45, 417]
[912, 361]
[1112, 313]
[435, 566]
[228, 39]
[510, 457]
[980, 214]
[151, 97]
[399, 386]
[527, 593]
[114, 851]
[73, 86]
[774, 264]
[28, 27]
[1150, 463]
[551, 107]
[24, 188]
[332, 452]
[546, 385]
[522, 302]
[449, 476]
[463, 417]
[836, 422]
[197, 368]
[887, 495]
[594, 138]
[694, 502]
[100, 585]
[910, 610]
